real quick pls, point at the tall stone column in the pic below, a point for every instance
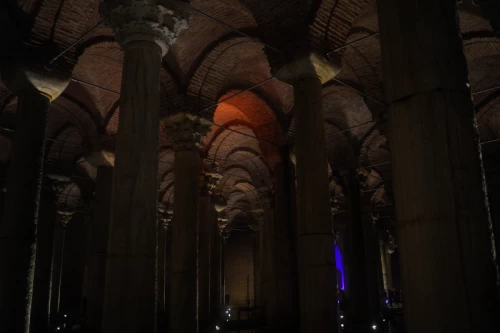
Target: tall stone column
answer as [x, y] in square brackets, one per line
[163, 265]
[98, 249]
[56, 270]
[35, 88]
[44, 245]
[220, 205]
[373, 271]
[286, 313]
[315, 243]
[442, 216]
[268, 280]
[383, 262]
[359, 302]
[260, 296]
[204, 253]
[187, 132]
[215, 243]
[145, 30]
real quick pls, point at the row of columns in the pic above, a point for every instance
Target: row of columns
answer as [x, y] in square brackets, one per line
[439, 191]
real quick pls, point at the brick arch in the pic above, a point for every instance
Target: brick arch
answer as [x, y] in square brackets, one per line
[211, 77]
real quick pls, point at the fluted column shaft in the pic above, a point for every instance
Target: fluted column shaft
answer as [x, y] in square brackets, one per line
[18, 228]
[98, 249]
[130, 275]
[145, 30]
[186, 132]
[442, 217]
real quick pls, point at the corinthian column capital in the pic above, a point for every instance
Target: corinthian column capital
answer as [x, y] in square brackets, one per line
[158, 21]
[187, 131]
[65, 217]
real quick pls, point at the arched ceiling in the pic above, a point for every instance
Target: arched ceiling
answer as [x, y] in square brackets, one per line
[211, 64]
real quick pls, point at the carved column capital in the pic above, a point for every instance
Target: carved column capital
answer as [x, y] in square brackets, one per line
[65, 217]
[187, 131]
[58, 183]
[209, 182]
[158, 21]
[164, 216]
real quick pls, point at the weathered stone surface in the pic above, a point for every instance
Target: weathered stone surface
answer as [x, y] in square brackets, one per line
[130, 275]
[442, 216]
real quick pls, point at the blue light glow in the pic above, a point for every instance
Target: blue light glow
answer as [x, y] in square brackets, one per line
[340, 267]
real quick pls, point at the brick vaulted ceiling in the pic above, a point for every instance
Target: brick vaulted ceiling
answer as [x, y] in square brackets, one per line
[211, 62]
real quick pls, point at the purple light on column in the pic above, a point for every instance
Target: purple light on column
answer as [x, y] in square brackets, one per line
[340, 266]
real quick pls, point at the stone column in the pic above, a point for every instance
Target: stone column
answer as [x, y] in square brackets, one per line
[98, 249]
[383, 262]
[215, 243]
[204, 253]
[187, 132]
[44, 245]
[315, 243]
[388, 267]
[145, 30]
[260, 296]
[372, 266]
[163, 266]
[56, 270]
[224, 234]
[286, 313]
[442, 216]
[220, 205]
[35, 89]
[359, 302]
[268, 269]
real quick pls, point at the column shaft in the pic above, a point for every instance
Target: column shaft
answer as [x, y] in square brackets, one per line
[130, 264]
[267, 270]
[316, 260]
[161, 278]
[388, 268]
[41, 288]
[442, 216]
[257, 268]
[372, 265]
[184, 239]
[214, 265]
[204, 259]
[359, 303]
[18, 228]
[286, 313]
[98, 249]
[56, 270]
